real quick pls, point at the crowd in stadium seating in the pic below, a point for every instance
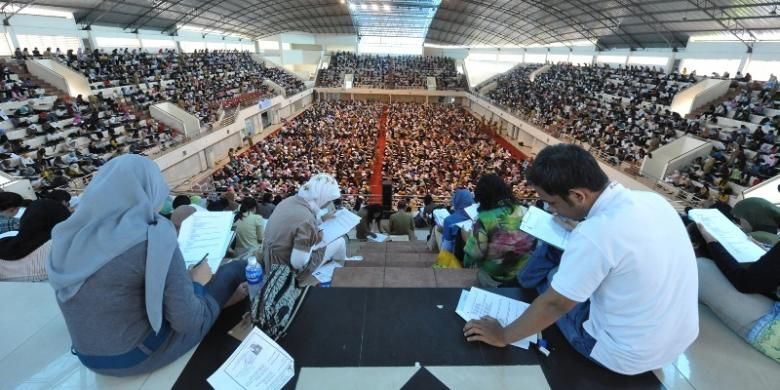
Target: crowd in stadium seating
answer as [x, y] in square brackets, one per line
[743, 131]
[51, 140]
[434, 149]
[622, 113]
[199, 82]
[331, 137]
[391, 72]
[12, 88]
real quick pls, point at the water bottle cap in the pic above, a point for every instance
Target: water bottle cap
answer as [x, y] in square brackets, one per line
[252, 260]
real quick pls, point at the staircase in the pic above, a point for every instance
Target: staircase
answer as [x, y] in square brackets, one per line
[399, 264]
[23, 74]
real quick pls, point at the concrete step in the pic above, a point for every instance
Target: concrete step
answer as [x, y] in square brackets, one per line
[394, 259]
[395, 247]
[404, 277]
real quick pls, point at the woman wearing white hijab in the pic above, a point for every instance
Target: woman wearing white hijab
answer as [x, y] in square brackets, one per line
[291, 231]
[130, 305]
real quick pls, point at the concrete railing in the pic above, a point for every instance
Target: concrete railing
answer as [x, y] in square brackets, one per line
[539, 71]
[701, 93]
[275, 87]
[767, 189]
[175, 117]
[59, 76]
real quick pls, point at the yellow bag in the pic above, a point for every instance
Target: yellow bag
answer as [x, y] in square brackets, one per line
[446, 259]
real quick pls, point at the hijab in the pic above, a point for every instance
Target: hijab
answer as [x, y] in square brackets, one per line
[117, 211]
[319, 190]
[34, 229]
[461, 199]
[759, 212]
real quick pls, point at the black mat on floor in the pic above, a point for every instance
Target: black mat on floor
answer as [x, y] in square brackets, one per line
[351, 327]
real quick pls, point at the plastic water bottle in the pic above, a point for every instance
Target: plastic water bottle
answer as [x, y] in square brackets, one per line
[254, 277]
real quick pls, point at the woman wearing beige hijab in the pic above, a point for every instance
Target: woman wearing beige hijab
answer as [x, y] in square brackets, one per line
[291, 233]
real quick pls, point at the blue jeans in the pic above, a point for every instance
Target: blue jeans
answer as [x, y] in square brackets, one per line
[225, 281]
[538, 274]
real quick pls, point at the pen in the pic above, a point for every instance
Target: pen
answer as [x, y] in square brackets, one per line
[201, 261]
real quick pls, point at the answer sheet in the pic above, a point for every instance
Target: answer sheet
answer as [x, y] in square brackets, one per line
[259, 363]
[439, 215]
[733, 239]
[478, 303]
[542, 225]
[472, 211]
[341, 223]
[206, 233]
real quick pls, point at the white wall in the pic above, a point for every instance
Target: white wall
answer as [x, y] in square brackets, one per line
[60, 76]
[767, 190]
[656, 167]
[337, 42]
[698, 95]
[174, 116]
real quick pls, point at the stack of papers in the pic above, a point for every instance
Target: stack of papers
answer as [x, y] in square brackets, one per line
[258, 363]
[734, 240]
[341, 223]
[206, 233]
[542, 225]
[477, 303]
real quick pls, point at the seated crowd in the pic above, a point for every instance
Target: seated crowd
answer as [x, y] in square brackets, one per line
[588, 290]
[334, 137]
[52, 140]
[434, 149]
[620, 111]
[625, 124]
[12, 88]
[743, 132]
[199, 82]
[391, 72]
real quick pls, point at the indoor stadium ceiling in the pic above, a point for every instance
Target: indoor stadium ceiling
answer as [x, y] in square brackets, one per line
[609, 23]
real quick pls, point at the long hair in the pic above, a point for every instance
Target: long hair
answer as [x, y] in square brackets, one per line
[248, 204]
[491, 189]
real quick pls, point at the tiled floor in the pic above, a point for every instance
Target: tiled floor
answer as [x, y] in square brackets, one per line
[34, 341]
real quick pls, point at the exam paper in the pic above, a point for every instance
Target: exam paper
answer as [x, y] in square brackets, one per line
[734, 240]
[542, 225]
[478, 303]
[439, 215]
[206, 232]
[472, 211]
[341, 223]
[258, 363]
[467, 225]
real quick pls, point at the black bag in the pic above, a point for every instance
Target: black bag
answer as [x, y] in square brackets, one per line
[277, 303]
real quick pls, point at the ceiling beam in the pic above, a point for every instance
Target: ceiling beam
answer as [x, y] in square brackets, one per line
[533, 37]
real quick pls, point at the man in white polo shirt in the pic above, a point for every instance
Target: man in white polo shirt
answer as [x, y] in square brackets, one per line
[624, 292]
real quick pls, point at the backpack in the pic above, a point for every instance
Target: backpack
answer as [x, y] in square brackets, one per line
[277, 303]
